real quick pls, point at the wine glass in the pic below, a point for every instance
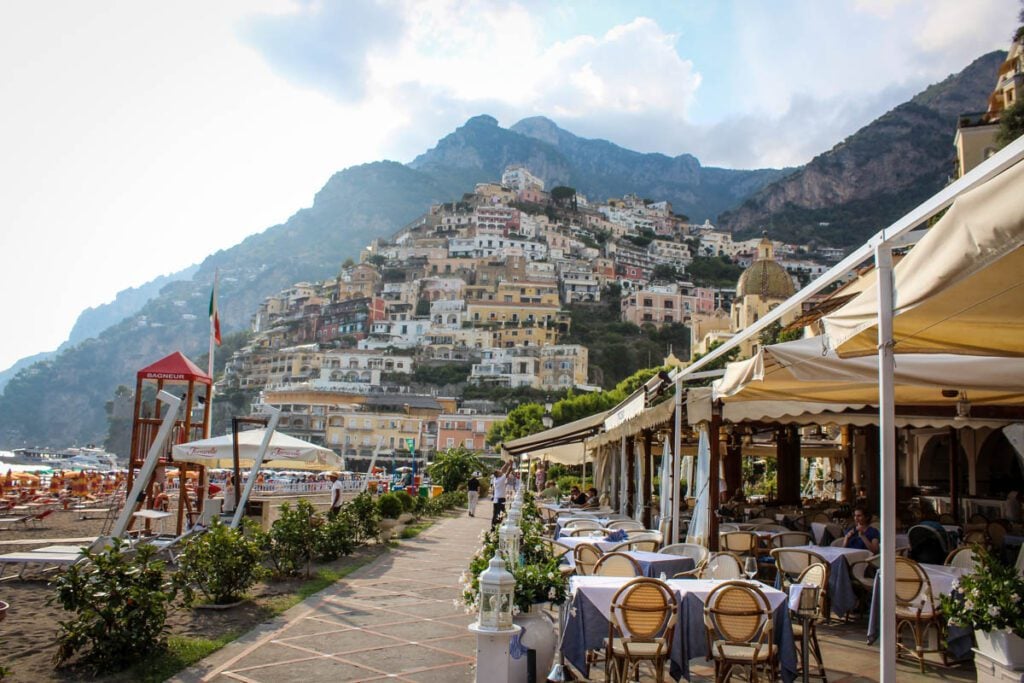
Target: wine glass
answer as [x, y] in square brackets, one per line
[750, 567]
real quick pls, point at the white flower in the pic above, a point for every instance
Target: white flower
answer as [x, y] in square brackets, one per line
[993, 611]
[515, 610]
[551, 575]
[956, 584]
[968, 604]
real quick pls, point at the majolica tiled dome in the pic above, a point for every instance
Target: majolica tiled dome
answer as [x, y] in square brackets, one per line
[765, 278]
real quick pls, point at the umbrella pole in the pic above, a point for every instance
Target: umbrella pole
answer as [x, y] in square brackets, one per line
[275, 415]
[886, 456]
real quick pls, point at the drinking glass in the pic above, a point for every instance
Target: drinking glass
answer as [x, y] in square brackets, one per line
[750, 567]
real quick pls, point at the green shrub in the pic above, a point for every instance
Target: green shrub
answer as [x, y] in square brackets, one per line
[419, 506]
[361, 512]
[406, 500]
[291, 542]
[119, 608]
[389, 506]
[222, 563]
[335, 538]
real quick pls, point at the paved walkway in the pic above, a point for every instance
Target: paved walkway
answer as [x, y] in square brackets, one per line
[391, 620]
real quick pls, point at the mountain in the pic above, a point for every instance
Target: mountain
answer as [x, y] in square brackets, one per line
[61, 401]
[876, 175]
[480, 150]
[92, 321]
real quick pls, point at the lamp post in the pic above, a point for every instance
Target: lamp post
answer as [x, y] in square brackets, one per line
[494, 627]
[547, 420]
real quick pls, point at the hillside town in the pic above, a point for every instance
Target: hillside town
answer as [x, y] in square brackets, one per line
[484, 286]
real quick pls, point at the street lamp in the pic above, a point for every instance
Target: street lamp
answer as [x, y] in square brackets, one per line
[546, 419]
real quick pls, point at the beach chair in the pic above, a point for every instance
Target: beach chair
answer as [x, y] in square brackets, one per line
[38, 518]
[10, 522]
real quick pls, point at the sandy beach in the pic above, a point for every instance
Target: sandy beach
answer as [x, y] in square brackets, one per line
[27, 635]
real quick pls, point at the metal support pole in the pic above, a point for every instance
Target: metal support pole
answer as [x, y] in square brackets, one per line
[886, 460]
[677, 463]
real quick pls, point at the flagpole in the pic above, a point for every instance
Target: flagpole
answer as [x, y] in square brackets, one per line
[213, 338]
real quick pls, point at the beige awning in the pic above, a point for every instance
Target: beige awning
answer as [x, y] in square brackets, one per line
[804, 371]
[648, 419]
[573, 432]
[960, 290]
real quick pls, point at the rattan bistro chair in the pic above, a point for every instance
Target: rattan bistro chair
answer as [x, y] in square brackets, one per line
[738, 621]
[627, 524]
[916, 610]
[963, 557]
[815, 576]
[694, 551]
[792, 562]
[739, 542]
[586, 556]
[617, 564]
[642, 620]
[789, 539]
[722, 566]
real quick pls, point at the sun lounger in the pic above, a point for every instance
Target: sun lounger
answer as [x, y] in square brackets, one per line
[93, 513]
[45, 561]
[9, 522]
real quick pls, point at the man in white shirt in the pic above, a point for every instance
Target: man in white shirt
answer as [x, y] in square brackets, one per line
[336, 488]
[498, 486]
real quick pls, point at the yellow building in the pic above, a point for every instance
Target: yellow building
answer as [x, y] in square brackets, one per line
[761, 287]
[563, 366]
[524, 335]
[976, 133]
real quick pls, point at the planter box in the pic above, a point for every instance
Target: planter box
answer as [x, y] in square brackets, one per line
[991, 671]
[1001, 647]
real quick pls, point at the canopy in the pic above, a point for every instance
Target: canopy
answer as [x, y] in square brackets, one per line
[562, 444]
[175, 368]
[805, 371]
[284, 452]
[960, 290]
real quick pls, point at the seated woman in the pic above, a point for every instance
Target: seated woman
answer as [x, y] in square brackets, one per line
[862, 535]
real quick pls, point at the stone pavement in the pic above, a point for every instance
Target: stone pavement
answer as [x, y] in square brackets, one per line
[391, 620]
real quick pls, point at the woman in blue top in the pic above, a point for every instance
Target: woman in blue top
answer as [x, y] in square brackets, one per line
[862, 535]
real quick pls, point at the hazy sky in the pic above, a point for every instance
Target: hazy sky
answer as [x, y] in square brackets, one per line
[137, 137]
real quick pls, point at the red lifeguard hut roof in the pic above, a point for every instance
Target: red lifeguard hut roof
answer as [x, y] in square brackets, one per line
[176, 368]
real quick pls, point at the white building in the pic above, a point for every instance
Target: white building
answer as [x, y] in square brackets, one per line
[518, 178]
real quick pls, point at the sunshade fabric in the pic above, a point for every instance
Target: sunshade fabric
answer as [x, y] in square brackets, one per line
[565, 454]
[284, 452]
[648, 419]
[573, 431]
[806, 372]
[960, 290]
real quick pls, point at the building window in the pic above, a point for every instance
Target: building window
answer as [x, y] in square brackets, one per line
[450, 442]
[469, 443]
[648, 302]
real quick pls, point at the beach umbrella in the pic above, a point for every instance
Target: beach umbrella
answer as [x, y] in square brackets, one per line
[284, 452]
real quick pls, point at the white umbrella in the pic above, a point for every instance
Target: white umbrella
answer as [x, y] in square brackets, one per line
[284, 451]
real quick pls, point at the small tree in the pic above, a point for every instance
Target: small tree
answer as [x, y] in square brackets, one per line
[119, 608]
[454, 466]
[291, 542]
[222, 563]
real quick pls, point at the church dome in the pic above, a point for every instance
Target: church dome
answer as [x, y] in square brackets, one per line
[765, 278]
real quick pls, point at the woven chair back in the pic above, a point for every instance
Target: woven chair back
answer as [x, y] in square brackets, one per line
[722, 566]
[617, 564]
[738, 613]
[586, 557]
[643, 609]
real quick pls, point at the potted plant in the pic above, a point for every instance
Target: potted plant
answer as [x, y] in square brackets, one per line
[989, 600]
[390, 508]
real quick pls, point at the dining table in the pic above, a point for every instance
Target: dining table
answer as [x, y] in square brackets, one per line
[942, 579]
[653, 565]
[590, 610]
[840, 585]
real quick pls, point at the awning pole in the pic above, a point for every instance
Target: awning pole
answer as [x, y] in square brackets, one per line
[887, 458]
[677, 461]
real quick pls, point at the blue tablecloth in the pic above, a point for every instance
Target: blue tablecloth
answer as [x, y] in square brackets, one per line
[587, 627]
[840, 586]
[656, 564]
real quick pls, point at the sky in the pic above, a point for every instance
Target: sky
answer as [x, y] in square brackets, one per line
[137, 137]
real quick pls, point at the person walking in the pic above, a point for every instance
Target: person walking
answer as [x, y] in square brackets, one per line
[473, 488]
[498, 486]
[540, 477]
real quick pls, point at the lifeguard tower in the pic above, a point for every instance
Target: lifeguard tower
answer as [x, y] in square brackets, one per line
[179, 376]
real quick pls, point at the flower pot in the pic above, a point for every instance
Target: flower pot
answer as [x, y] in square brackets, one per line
[387, 528]
[1001, 646]
[405, 518]
[539, 635]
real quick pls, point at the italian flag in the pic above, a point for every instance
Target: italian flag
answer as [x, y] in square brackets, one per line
[214, 317]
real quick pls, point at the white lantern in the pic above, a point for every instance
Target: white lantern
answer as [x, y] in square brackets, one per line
[515, 513]
[497, 595]
[509, 534]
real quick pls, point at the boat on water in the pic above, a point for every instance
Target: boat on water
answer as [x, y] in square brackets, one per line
[84, 458]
